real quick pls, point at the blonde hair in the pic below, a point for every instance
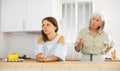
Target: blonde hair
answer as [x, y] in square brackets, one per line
[102, 19]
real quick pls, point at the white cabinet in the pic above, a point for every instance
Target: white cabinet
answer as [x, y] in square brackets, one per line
[26, 15]
[36, 11]
[12, 15]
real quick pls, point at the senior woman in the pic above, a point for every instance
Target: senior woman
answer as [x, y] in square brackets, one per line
[92, 41]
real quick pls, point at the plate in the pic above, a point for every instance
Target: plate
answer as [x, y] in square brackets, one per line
[6, 60]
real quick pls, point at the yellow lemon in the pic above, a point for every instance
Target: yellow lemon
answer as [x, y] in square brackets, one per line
[13, 57]
[16, 57]
[10, 57]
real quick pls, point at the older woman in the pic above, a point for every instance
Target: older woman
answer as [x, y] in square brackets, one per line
[92, 41]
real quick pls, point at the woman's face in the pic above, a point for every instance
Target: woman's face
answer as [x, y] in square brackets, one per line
[48, 27]
[95, 22]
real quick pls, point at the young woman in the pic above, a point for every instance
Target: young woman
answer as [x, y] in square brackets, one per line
[51, 46]
[92, 41]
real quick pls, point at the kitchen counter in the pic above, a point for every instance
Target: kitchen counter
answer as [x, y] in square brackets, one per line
[33, 65]
[108, 60]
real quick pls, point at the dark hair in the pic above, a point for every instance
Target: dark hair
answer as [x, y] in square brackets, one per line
[54, 22]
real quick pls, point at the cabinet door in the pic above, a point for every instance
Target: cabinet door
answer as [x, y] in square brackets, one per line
[7, 68]
[55, 68]
[36, 11]
[28, 67]
[13, 15]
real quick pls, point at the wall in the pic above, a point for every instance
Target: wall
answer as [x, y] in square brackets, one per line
[111, 12]
[21, 43]
[1, 38]
[3, 50]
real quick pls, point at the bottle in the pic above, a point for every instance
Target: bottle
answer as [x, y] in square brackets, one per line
[113, 55]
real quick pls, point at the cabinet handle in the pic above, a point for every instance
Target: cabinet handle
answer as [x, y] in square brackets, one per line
[23, 24]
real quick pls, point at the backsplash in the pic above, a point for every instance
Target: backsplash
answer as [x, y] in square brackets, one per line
[25, 43]
[22, 43]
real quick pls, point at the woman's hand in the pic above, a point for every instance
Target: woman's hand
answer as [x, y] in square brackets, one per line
[41, 58]
[79, 44]
[80, 41]
[103, 52]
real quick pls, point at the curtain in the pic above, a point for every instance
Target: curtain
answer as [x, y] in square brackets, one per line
[75, 15]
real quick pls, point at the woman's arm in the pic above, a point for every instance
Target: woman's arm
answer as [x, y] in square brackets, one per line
[40, 40]
[58, 52]
[61, 40]
[43, 58]
[110, 45]
[106, 50]
[50, 59]
[39, 50]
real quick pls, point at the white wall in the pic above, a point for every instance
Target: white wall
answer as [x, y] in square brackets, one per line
[21, 43]
[111, 12]
[1, 39]
[2, 47]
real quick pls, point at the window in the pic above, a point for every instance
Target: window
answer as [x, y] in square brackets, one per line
[75, 15]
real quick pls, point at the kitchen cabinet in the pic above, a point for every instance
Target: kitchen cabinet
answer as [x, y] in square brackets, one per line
[12, 15]
[33, 65]
[7, 68]
[36, 11]
[110, 69]
[84, 69]
[54, 67]
[27, 68]
[26, 15]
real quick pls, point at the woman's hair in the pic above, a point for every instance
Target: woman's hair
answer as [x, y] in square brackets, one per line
[54, 22]
[102, 19]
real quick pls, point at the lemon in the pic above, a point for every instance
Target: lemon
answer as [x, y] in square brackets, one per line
[12, 57]
[16, 57]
